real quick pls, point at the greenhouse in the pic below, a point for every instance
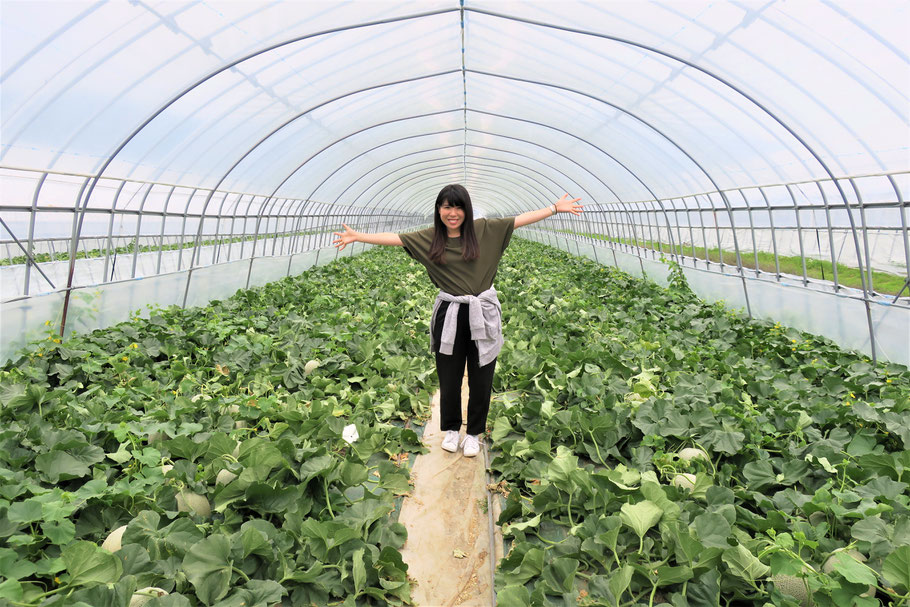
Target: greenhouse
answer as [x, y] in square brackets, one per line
[218, 387]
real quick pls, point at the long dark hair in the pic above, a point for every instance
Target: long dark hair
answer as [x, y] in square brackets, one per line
[457, 196]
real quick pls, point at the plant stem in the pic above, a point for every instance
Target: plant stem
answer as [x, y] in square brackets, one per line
[569, 508]
[328, 502]
[242, 574]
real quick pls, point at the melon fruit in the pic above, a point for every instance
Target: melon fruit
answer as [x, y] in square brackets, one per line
[684, 481]
[187, 501]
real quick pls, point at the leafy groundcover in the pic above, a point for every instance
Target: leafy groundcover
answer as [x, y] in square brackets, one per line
[223, 438]
[291, 410]
[654, 449]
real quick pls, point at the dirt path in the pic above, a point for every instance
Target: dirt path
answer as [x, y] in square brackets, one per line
[448, 547]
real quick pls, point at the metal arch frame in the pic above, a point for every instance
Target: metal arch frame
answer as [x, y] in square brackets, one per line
[597, 178]
[192, 261]
[659, 132]
[409, 177]
[208, 199]
[284, 124]
[423, 191]
[242, 171]
[793, 133]
[386, 175]
[498, 150]
[305, 200]
[376, 147]
[275, 130]
[474, 145]
[94, 180]
[215, 119]
[671, 161]
[315, 154]
[275, 190]
[393, 188]
[484, 113]
[427, 190]
[436, 160]
[744, 140]
[755, 102]
[656, 199]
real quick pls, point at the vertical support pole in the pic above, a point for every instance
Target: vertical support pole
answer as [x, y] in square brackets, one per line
[799, 234]
[773, 233]
[136, 242]
[110, 235]
[31, 234]
[821, 191]
[902, 211]
[167, 202]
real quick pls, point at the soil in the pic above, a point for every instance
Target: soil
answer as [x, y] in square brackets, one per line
[448, 547]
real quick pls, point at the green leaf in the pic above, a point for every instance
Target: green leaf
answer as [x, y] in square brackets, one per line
[620, 580]
[27, 511]
[87, 563]
[513, 527]
[560, 470]
[501, 429]
[713, 530]
[896, 568]
[13, 567]
[744, 564]
[59, 532]
[759, 475]
[11, 590]
[359, 571]
[121, 455]
[559, 574]
[641, 516]
[667, 575]
[854, 571]
[208, 568]
[513, 596]
[74, 462]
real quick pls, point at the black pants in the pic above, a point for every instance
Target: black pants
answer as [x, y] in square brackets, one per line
[450, 369]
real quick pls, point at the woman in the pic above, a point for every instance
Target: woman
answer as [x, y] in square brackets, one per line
[461, 255]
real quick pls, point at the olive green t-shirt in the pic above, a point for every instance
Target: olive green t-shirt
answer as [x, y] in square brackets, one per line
[457, 276]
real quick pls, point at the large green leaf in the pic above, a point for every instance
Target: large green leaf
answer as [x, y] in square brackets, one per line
[87, 563]
[713, 530]
[74, 462]
[641, 516]
[896, 568]
[208, 567]
[854, 571]
[744, 564]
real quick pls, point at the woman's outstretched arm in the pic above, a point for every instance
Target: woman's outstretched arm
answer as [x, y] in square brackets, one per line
[381, 238]
[563, 205]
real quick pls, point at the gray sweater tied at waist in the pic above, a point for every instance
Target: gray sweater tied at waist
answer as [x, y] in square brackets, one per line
[485, 319]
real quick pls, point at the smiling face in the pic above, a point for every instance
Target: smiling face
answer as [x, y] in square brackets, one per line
[452, 217]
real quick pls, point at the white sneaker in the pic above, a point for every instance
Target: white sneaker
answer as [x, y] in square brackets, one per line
[450, 442]
[471, 445]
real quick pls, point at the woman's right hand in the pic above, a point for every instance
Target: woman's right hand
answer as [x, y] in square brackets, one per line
[345, 238]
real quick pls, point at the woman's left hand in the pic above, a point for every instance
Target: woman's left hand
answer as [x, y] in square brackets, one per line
[568, 205]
